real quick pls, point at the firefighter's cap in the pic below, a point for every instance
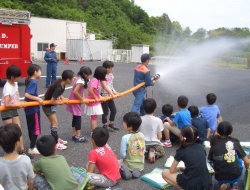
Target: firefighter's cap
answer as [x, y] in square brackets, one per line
[52, 45]
[145, 57]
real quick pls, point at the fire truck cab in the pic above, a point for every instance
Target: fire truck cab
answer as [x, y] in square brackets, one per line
[14, 40]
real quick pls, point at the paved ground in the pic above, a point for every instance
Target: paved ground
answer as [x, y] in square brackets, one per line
[231, 86]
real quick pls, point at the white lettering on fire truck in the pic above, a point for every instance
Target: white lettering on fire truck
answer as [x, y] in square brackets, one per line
[3, 35]
[8, 46]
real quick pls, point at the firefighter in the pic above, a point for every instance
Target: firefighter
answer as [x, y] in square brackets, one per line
[142, 74]
[51, 58]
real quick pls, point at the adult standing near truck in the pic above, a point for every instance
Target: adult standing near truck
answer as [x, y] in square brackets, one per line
[51, 58]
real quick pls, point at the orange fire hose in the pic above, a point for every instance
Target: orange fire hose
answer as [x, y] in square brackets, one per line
[46, 102]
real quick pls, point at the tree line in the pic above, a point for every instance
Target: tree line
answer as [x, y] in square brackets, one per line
[122, 21]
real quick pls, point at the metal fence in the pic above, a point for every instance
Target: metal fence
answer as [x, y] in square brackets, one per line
[118, 55]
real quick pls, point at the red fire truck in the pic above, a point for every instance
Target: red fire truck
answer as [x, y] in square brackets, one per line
[14, 40]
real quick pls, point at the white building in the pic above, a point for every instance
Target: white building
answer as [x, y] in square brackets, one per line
[45, 31]
[137, 51]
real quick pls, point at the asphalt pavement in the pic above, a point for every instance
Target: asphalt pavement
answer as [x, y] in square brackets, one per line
[231, 86]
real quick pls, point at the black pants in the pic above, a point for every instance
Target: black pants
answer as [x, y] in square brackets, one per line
[76, 122]
[34, 127]
[106, 106]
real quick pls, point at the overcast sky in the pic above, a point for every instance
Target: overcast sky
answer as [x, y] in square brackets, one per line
[208, 14]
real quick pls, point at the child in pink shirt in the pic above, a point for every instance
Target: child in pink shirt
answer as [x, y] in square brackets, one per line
[95, 109]
[77, 92]
[103, 158]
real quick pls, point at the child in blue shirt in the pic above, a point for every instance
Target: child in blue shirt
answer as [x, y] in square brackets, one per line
[199, 123]
[211, 112]
[132, 147]
[182, 117]
[33, 113]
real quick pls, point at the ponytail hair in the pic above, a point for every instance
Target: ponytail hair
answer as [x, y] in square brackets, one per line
[190, 136]
[31, 71]
[83, 73]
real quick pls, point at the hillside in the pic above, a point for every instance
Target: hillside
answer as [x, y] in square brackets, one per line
[124, 22]
[120, 20]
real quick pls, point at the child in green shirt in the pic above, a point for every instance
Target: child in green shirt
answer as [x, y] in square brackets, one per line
[132, 147]
[54, 171]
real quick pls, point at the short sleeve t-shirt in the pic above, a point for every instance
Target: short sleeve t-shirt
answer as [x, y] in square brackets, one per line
[56, 172]
[76, 109]
[182, 118]
[109, 79]
[225, 153]
[196, 175]
[201, 125]
[210, 113]
[95, 84]
[12, 91]
[150, 127]
[31, 89]
[106, 162]
[133, 149]
[14, 173]
[57, 92]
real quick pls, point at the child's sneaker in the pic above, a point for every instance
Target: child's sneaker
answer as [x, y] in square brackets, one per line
[234, 186]
[113, 127]
[22, 152]
[33, 151]
[151, 155]
[80, 139]
[167, 143]
[60, 146]
[62, 141]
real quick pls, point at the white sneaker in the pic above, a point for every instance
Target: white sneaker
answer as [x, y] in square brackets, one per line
[60, 146]
[33, 151]
[62, 141]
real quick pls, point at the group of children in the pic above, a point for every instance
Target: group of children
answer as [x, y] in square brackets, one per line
[145, 139]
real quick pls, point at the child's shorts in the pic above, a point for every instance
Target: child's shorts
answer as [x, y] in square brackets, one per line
[8, 114]
[174, 129]
[48, 110]
[100, 180]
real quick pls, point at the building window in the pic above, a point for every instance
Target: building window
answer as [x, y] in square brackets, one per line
[42, 46]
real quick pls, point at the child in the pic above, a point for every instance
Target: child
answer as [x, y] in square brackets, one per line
[33, 113]
[52, 169]
[199, 123]
[132, 147]
[77, 92]
[10, 97]
[227, 154]
[16, 170]
[109, 105]
[182, 117]
[95, 109]
[167, 111]
[195, 174]
[211, 112]
[53, 93]
[152, 128]
[104, 159]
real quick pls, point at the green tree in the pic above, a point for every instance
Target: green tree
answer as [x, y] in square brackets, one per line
[187, 32]
[200, 34]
